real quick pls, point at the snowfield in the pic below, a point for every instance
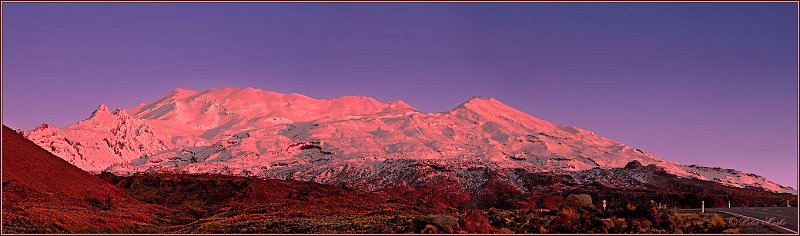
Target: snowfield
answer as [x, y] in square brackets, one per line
[355, 141]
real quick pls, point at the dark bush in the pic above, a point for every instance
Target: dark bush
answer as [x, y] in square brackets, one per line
[100, 204]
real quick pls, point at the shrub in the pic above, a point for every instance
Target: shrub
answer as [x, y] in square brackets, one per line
[699, 223]
[717, 221]
[645, 225]
[475, 222]
[615, 225]
[566, 215]
[552, 202]
[101, 204]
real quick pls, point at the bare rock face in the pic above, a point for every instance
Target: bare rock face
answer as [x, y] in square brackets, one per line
[354, 141]
[105, 138]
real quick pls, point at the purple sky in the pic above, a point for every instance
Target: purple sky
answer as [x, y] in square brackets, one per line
[704, 83]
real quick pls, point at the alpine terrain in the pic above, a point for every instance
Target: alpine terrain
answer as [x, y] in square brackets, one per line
[351, 141]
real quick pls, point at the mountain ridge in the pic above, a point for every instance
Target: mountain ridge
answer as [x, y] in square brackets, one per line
[247, 131]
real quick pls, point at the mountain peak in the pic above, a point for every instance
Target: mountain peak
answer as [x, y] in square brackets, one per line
[182, 91]
[353, 100]
[481, 99]
[252, 89]
[400, 104]
[102, 109]
[43, 126]
[120, 113]
[479, 103]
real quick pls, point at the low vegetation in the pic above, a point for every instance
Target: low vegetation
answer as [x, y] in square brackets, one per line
[228, 204]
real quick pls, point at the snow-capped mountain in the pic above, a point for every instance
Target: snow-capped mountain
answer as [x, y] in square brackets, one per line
[102, 139]
[357, 141]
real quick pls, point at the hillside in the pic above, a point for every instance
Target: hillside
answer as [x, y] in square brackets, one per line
[44, 194]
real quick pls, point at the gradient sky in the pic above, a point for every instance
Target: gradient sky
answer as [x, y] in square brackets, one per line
[698, 83]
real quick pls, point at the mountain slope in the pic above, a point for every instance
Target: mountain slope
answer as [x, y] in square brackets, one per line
[350, 140]
[43, 193]
[101, 140]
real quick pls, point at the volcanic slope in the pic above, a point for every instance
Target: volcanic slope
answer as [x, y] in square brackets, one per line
[44, 194]
[358, 141]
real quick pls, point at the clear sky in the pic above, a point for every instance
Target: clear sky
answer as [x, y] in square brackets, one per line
[698, 83]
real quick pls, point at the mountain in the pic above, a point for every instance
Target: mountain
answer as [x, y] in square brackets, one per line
[355, 141]
[43, 193]
[103, 139]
